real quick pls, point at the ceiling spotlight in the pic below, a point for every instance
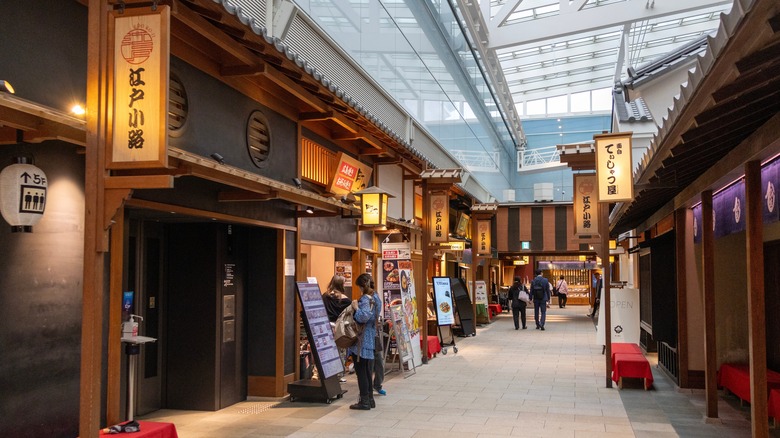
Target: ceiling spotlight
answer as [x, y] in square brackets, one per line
[349, 198]
[410, 221]
[6, 87]
[218, 158]
[78, 110]
[297, 182]
[309, 210]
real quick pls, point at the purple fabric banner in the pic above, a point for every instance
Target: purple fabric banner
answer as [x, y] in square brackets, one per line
[729, 207]
[697, 224]
[769, 174]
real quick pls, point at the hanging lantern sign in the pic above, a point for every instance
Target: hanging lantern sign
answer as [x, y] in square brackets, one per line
[613, 167]
[373, 201]
[22, 195]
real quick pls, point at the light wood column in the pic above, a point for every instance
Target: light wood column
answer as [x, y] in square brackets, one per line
[708, 286]
[422, 294]
[681, 240]
[755, 300]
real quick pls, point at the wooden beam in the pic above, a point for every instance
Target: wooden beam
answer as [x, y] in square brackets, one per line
[243, 195]
[139, 182]
[114, 199]
[315, 116]
[681, 240]
[756, 299]
[708, 286]
[114, 359]
[606, 279]
[242, 70]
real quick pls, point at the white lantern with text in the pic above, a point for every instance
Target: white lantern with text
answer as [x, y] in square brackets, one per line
[22, 195]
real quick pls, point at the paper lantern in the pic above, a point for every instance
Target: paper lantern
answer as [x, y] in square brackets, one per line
[373, 201]
[22, 195]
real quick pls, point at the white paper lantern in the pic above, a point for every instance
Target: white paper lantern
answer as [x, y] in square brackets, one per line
[22, 195]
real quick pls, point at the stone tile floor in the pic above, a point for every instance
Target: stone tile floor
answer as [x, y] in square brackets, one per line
[502, 382]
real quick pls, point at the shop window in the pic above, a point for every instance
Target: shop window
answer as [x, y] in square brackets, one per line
[318, 163]
[258, 138]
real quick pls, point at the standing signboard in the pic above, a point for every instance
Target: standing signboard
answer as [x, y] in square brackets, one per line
[397, 281]
[323, 348]
[624, 317]
[442, 295]
[480, 293]
[403, 342]
[140, 60]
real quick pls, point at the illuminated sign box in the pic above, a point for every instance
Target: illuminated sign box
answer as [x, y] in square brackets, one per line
[614, 167]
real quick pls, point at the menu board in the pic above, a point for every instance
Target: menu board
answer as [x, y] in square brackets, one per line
[442, 295]
[318, 328]
[403, 341]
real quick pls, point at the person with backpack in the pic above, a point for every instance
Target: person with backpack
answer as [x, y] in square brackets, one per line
[517, 294]
[540, 292]
[362, 352]
[563, 292]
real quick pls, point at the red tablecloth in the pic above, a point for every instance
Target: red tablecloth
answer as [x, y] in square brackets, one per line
[494, 309]
[434, 346]
[774, 403]
[632, 365]
[624, 348]
[150, 430]
[736, 378]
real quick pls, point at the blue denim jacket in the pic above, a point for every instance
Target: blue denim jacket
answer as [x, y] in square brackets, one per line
[367, 314]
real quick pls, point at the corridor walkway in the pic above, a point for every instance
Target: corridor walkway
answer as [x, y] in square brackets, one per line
[502, 382]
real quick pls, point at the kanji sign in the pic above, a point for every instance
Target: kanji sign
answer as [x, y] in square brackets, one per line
[140, 55]
[483, 238]
[586, 198]
[613, 167]
[351, 176]
[439, 219]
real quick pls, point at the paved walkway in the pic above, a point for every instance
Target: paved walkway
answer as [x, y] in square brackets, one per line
[502, 382]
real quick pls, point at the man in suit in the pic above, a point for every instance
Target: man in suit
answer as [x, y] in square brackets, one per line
[540, 293]
[597, 301]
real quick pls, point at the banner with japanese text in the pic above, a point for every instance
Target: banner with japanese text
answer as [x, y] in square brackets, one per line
[397, 282]
[140, 57]
[614, 167]
[351, 175]
[439, 219]
[586, 202]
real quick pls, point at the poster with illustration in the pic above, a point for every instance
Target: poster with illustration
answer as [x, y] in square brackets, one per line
[398, 289]
[442, 294]
[344, 269]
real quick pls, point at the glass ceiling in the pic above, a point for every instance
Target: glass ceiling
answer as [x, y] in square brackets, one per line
[430, 56]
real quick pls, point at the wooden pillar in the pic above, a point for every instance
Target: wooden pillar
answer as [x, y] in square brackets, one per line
[606, 306]
[708, 286]
[681, 236]
[115, 346]
[474, 264]
[95, 245]
[422, 294]
[756, 302]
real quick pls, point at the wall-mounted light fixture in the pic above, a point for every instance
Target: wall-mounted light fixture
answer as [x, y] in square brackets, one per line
[218, 158]
[78, 110]
[5, 87]
[297, 182]
[309, 210]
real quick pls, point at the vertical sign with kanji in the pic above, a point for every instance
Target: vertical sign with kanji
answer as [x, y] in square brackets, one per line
[613, 167]
[586, 199]
[140, 56]
[439, 219]
[483, 238]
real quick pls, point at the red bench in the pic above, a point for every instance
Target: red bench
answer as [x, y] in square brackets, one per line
[631, 365]
[736, 378]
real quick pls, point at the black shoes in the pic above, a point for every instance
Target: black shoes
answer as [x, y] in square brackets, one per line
[361, 405]
[524, 327]
[542, 328]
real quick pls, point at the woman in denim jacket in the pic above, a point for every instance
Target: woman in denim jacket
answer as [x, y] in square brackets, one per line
[362, 353]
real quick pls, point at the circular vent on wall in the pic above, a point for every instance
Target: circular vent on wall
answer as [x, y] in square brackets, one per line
[177, 105]
[258, 138]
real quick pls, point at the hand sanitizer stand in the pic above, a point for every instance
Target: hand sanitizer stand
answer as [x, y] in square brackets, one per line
[132, 348]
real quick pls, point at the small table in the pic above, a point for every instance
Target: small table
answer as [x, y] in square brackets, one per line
[495, 309]
[624, 348]
[631, 365]
[736, 378]
[150, 429]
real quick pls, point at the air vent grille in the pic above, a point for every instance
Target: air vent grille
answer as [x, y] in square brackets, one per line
[177, 105]
[258, 138]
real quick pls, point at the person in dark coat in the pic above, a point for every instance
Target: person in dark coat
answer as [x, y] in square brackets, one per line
[540, 292]
[335, 298]
[518, 305]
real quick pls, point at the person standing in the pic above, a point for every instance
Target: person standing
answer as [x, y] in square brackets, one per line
[597, 301]
[563, 291]
[518, 305]
[540, 292]
[379, 356]
[362, 352]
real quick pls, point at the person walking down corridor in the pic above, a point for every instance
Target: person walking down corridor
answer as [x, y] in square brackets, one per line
[540, 293]
[563, 292]
[516, 294]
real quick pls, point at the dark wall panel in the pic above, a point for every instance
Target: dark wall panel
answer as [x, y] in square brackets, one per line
[335, 230]
[290, 342]
[40, 302]
[772, 298]
[513, 233]
[561, 228]
[231, 281]
[664, 272]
